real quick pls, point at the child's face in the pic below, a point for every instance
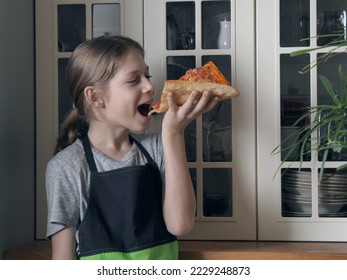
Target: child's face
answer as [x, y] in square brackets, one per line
[130, 94]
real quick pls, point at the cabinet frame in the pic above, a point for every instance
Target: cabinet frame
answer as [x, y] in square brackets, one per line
[47, 81]
[271, 224]
[242, 226]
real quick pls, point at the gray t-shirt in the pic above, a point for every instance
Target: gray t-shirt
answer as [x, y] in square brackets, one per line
[68, 178]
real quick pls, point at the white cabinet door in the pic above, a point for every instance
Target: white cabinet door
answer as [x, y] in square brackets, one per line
[221, 146]
[60, 26]
[294, 206]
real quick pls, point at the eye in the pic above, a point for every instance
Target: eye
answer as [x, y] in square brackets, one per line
[148, 77]
[133, 81]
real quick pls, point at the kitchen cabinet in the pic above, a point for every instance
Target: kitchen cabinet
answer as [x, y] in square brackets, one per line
[60, 26]
[296, 206]
[220, 145]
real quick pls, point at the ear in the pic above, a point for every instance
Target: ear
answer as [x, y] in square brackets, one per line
[93, 97]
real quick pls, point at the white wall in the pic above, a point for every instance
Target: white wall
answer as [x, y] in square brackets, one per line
[17, 131]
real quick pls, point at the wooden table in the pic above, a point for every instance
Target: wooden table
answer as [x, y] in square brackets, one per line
[215, 250]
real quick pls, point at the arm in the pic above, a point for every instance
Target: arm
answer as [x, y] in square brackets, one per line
[179, 201]
[63, 244]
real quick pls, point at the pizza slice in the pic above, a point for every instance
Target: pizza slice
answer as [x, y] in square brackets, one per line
[205, 78]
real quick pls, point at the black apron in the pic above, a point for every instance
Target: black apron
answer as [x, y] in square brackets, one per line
[124, 213]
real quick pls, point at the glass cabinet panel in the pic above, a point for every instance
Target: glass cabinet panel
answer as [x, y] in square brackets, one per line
[208, 139]
[216, 124]
[61, 25]
[180, 25]
[295, 100]
[294, 23]
[64, 100]
[71, 26]
[217, 133]
[176, 66]
[191, 141]
[296, 193]
[332, 195]
[302, 195]
[217, 194]
[329, 70]
[216, 25]
[331, 19]
[106, 19]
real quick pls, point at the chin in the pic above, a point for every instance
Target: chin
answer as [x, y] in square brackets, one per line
[141, 129]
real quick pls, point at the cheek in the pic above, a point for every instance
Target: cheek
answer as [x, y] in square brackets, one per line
[123, 105]
[123, 99]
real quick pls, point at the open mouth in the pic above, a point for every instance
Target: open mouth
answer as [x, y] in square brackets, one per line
[144, 109]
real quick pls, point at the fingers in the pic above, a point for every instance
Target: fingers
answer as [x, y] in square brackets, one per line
[170, 100]
[212, 102]
[192, 101]
[178, 117]
[207, 102]
[196, 103]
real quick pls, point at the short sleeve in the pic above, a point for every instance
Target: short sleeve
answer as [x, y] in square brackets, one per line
[63, 195]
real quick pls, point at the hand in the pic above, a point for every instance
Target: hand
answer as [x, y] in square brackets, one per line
[178, 117]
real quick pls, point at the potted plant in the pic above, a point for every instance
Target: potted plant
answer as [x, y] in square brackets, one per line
[326, 132]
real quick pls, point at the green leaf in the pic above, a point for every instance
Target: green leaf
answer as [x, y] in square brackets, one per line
[343, 78]
[329, 88]
[325, 156]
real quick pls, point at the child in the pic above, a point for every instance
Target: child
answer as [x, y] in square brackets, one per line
[106, 197]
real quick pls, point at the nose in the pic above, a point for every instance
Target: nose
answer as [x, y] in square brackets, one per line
[148, 86]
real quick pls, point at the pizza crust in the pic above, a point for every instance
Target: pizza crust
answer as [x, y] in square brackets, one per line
[182, 90]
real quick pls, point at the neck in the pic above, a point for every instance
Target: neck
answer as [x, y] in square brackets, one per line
[114, 144]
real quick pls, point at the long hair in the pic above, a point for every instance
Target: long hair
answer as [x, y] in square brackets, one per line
[93, 63]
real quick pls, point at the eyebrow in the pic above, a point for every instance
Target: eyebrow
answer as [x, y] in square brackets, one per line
[138, 71]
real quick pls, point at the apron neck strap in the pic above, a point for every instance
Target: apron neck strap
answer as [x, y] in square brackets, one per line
[90, 157]
[143, 150]
[89, 154]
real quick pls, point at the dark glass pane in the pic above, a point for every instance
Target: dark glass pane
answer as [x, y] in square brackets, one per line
[217, 140]
[294, 22]
[64, 100]
[190, 140]
[176, 66]
[106, 19]
[180, 25]
[71, 26]
[332, 194]
[296, 193]
[216, 25]
[217, 192]
[295, 99]
[192, 172]
[329, 69]
[217, 133]
[331, 19]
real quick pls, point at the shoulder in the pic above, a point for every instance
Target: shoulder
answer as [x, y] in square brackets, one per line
[153, 144]
[68, 160]
[66, 186]
[150, 140]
